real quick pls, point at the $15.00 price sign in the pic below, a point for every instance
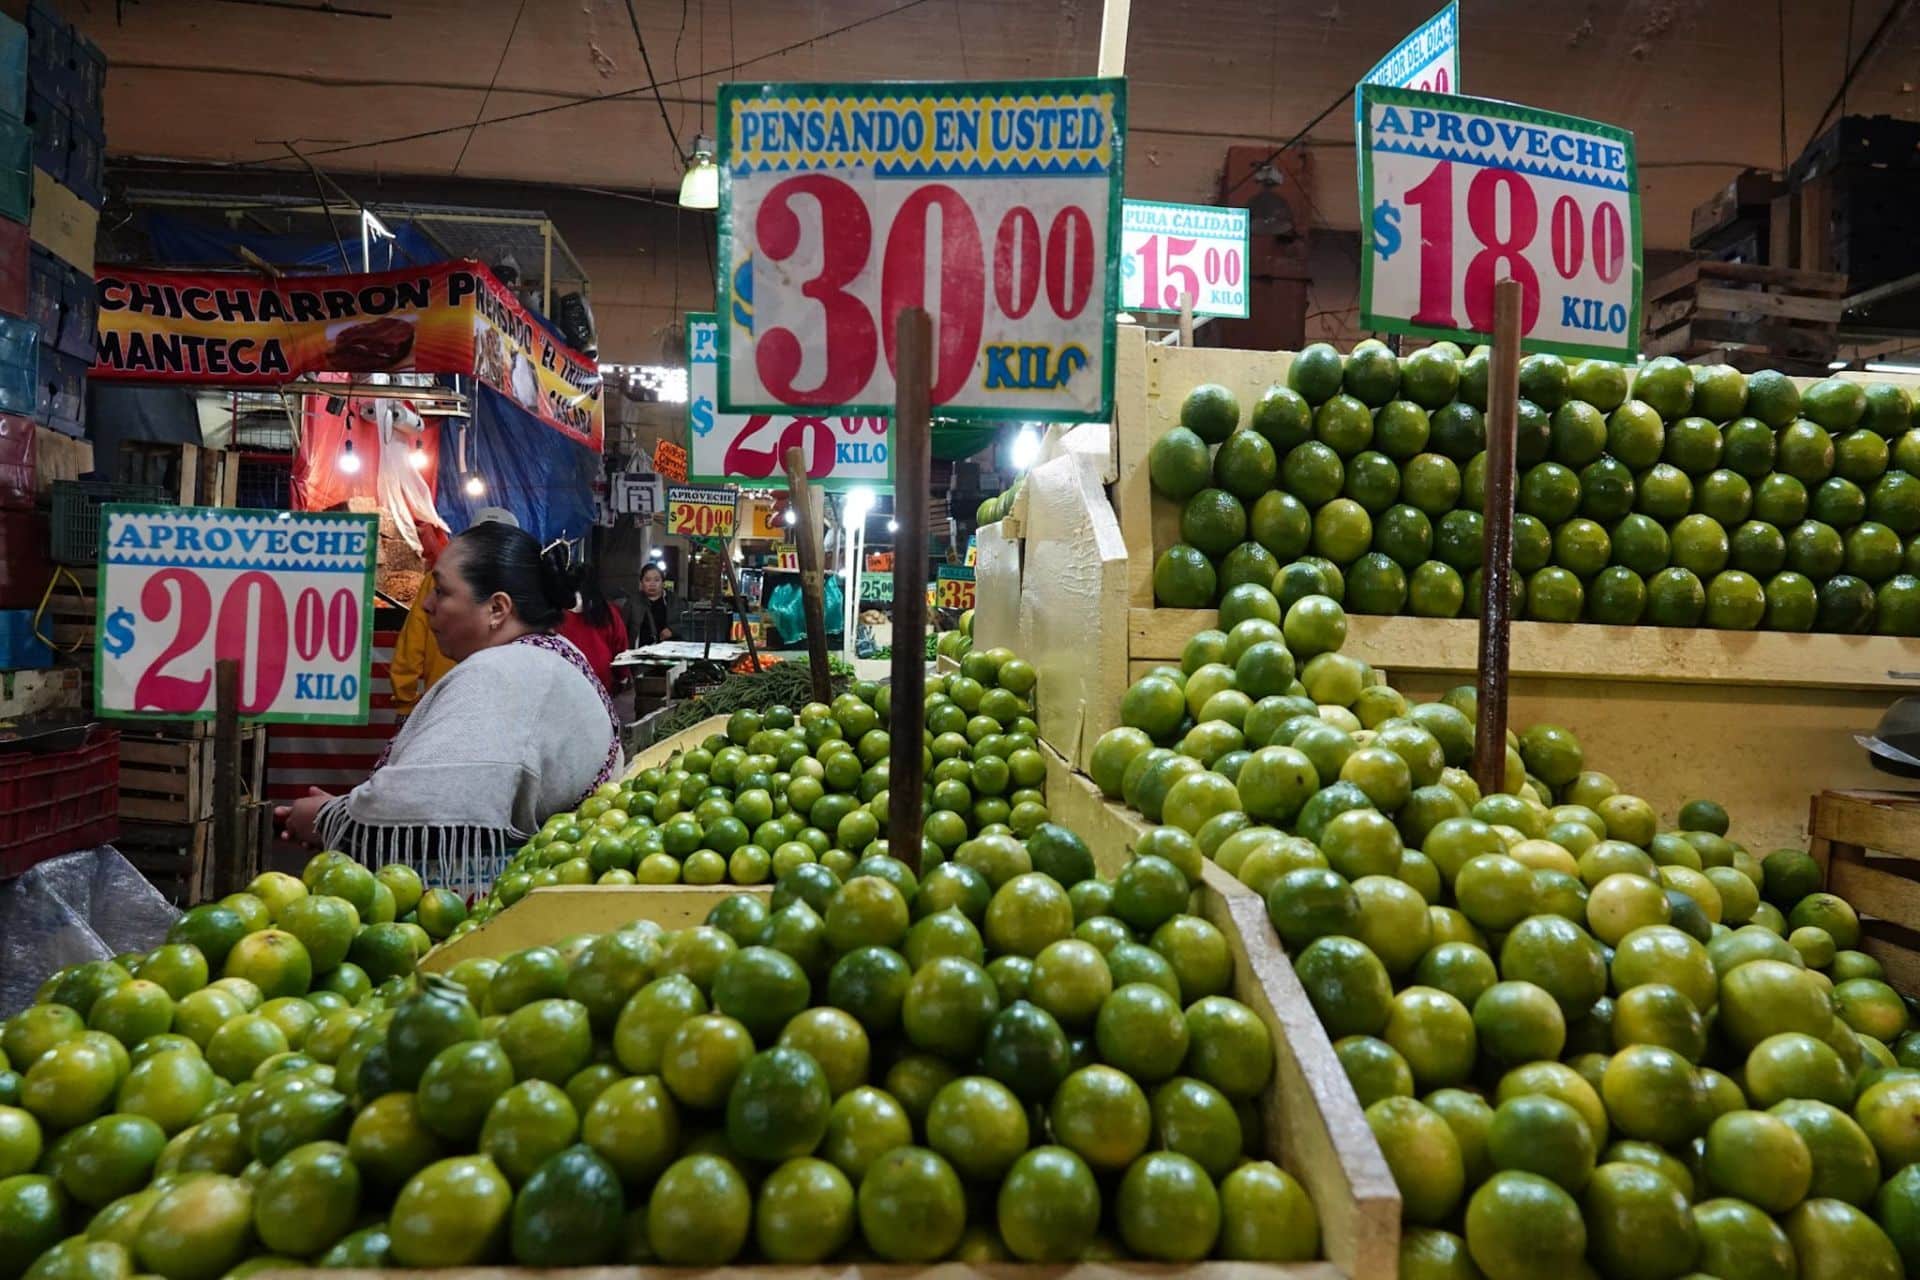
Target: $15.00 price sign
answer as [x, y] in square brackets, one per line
[1171, 249]
[701, 513]
[289, 595]
[728, 448]
[995, 206]
[1462, 193]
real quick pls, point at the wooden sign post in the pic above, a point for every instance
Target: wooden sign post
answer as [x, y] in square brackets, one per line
[913, 452]
[812, 585]
[1496, 566]
[229, 873]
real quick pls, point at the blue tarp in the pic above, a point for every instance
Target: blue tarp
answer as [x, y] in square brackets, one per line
[545, 479]
[178, 242]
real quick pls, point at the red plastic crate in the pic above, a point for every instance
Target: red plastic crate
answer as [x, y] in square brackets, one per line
[53, 802]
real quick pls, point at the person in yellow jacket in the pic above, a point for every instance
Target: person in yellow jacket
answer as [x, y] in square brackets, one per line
[417, 660]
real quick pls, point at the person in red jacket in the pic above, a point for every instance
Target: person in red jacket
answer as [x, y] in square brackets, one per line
[593, 626]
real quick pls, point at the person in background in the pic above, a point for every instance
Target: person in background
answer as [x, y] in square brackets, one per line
[417, 661]
[519, 730]
[658, 613]
[594, 626]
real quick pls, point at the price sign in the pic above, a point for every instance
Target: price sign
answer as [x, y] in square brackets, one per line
[876, 588]
[1463, 193]
[1170, 249]
[954, 586]
[701, 512]
[288, 595]
[730, 447]
[1427, 60]
[996, 206]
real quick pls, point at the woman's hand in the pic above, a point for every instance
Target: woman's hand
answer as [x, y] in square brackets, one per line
[296, 820]
[666, 634]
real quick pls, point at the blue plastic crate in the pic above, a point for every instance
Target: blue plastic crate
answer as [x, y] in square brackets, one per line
[20, 385]
[20, 649]
[13, 68]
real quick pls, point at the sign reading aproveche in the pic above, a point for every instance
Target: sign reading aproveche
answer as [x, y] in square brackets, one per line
[729, 448]
[701, 512]
[290, 595]
[1461, 193]
[996, 206]
[1427, 60]
[1170, 249]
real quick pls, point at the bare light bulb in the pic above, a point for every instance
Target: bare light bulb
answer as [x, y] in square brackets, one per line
[788, 517]
[418, 457]
[349, 460]
[893, 526]
[475, 486]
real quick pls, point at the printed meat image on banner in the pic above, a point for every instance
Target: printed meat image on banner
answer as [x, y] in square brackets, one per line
[243, 330]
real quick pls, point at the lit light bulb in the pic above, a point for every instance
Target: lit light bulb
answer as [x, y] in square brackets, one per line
[859, 503]
[418, 457]
[1026, 449]
[788, 517]
[893, 526]
[349, 460]
[475, 486]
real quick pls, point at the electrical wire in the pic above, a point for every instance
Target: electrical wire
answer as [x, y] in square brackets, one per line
[614, 96]
[1275, 154]
[1867, 50]
[679, 155]
[488, 95]
[1780, 53]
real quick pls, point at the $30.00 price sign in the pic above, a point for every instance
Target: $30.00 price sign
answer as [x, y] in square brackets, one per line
[995, 206]
[1462, 193]
[289, 595]
[701, 513]
[732, 447]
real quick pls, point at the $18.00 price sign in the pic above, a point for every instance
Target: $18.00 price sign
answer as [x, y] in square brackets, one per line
[995, 206]
[1171, 249]
[289, 595]
[731, 448]
[1462, 193]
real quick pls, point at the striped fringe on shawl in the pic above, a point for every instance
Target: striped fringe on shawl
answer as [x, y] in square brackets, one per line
[465, 859]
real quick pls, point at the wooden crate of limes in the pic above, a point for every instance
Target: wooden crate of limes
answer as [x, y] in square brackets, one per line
[1865, 856]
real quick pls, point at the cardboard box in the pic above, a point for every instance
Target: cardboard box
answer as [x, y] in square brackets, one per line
[62, 222]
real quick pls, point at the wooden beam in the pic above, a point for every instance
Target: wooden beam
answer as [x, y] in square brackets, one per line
[1114, 15]
[1496, 569]
[912, 464]
[812, 584]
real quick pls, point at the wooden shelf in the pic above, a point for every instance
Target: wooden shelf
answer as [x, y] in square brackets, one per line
[1586, 651]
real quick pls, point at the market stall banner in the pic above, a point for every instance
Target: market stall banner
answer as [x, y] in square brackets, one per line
[841, 451]
[1171, 249]
[1461, 193]
[543, 477]
[289, 595]
[996, 206]
[241, 330]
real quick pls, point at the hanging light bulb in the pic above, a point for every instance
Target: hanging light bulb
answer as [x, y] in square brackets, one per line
[893, 526]
[417, 456]
[475, 486]
[349, 460]
[788, 517]
[700, 188]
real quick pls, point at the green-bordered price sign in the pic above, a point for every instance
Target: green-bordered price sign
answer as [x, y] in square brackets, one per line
[994, 205]
[1461, 193]
[876, 588]
[954, 586]
[696, 511]
[842, 451]
[287, 594]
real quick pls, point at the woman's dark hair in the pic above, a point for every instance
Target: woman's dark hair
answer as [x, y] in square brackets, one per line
[593, 601]
[498, 558]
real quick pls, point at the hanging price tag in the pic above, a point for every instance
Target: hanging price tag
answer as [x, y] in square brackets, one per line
[1170, 249]
[1461, 193]
[996, 206]
[286, 594]
[954, 587]
[1427, 60]
[730, 447]
[701, 513]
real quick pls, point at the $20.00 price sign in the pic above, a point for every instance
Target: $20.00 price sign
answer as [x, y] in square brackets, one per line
[996, 206]
[694, 512]
[289, 595]
[728, 448]
[1462, 193]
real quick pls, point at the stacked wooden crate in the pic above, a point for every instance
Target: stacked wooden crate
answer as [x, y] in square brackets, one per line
[1750, 316]
[166, 806]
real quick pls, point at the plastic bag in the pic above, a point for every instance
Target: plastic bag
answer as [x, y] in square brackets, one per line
[87, 905]
[789, 613]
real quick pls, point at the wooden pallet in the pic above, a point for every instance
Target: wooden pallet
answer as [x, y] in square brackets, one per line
[191, 475]
[172, 856]
[1734, 307]
[1868, 846]
[166, 808]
